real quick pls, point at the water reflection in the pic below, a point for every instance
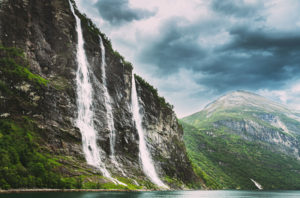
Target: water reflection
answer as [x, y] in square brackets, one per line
[170, 194]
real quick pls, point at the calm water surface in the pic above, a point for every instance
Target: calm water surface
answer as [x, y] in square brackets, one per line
[173, 194]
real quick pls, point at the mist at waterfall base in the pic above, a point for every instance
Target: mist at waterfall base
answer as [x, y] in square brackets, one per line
[161, 194]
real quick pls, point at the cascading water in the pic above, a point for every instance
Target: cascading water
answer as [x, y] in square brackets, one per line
[145, 157]
[109, 114]
[84, 120]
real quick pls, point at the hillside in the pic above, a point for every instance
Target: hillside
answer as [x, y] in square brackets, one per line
[242, 137]
[67, 118]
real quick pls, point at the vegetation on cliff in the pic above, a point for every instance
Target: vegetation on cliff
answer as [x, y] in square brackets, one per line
[21, 165]
[15, 67]
[229, 145]
[93, 29]
[40, 146]
[162, 100]
[24, 163]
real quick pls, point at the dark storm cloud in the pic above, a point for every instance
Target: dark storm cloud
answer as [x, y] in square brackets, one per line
[237, 8]
[251, 59]
[177, 46]
[277, 42]
[117, 12]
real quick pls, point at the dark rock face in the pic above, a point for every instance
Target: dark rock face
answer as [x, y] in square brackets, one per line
[46, 32]
[165, 136]
[254, 131]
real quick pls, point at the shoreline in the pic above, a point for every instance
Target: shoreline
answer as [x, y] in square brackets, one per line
[70, 190]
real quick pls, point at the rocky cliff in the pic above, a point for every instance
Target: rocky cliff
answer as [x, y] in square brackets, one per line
[39, 141]
[245, 139]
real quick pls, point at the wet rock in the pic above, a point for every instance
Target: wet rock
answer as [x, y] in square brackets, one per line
[45, 31]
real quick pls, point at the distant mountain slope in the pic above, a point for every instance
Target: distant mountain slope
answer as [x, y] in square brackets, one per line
[243, 136]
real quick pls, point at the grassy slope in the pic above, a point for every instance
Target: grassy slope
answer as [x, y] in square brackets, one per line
[229, 161]
[23, 161]
[23, 164]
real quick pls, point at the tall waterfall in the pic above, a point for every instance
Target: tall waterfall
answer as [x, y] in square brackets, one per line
[108, 106]
[85, 117]
[145, 157]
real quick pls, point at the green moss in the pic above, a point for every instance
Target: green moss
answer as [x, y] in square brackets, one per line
[4, 88]
[225, 160]
[15, 67]
[88, 23]
[127, 64]
[147, 184]
[130, 183]
[96, 182]
[161, 100]
[173, 181]
[209, 181]
[12, 51]
[111, 185]
[92, 28]
[60, 83]
[21, 163]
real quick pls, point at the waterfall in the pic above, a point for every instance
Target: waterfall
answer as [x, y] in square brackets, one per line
[85, 116]
[108, 106]
[257, 184]
[145, 157]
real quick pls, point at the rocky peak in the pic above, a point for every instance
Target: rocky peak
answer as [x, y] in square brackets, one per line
[244, 101]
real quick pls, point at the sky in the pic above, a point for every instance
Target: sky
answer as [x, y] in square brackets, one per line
[194, 51]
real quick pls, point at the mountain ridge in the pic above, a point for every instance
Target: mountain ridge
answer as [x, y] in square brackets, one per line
[233, 124]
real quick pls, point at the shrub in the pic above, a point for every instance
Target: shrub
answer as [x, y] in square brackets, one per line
[160, 99]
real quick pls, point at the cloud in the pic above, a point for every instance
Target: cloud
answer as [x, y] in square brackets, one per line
[288, 96]
[238, 8]
[178, 45]
[260, 39]
[194, 51]
[248, 59]
[118, 12]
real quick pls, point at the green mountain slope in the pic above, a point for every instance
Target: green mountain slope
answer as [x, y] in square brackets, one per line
[243, 136]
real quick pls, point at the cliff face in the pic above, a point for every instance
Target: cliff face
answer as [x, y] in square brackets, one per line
[243, 135]
[38, 89]
[164, 135]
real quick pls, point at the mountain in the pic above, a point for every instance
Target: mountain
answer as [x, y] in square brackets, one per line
[243, 140]
[73, 115]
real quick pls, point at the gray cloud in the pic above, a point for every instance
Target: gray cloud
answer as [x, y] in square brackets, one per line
[232, 44]
[177, 46]
[118, 12]
[237, 8]
[252, 59]
[260, 39]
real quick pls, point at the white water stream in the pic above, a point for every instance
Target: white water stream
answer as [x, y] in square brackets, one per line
[85, 117]
[145, 157]
[257, 184]
[109, 114]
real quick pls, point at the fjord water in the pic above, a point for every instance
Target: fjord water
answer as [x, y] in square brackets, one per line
[145, 157]
[162, 194]
[85, 116]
